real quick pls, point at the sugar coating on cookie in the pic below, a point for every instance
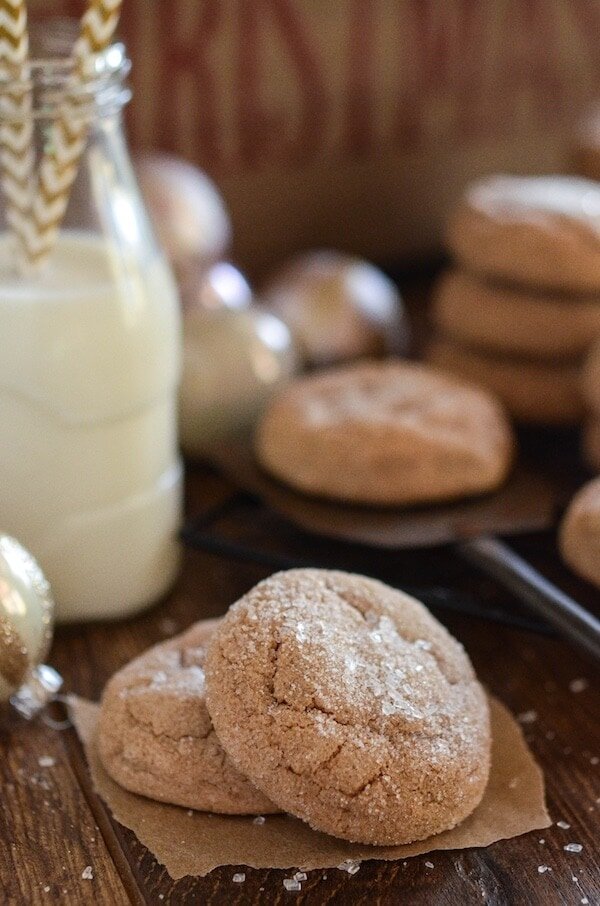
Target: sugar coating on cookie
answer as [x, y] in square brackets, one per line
[541, 231]
[579, 535]
[350, 706]
[385, 433]
[155, 736]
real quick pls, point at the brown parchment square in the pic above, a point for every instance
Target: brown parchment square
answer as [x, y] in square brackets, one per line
[195, 843]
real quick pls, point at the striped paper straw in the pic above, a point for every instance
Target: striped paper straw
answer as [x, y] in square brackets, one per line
[17, 154]
[66, 143]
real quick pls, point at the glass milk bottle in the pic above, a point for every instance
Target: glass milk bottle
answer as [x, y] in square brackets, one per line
[90, 477]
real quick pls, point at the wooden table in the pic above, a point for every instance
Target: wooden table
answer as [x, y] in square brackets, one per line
[52, 826]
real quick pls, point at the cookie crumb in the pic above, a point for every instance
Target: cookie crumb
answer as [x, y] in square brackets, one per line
[350, 865]
[47, 889]
[87, 874]
[543, 868]
[239, 877]
[292, 884]
[573, 848]
[46, 761]
[260, 819]
[527, 717]
[578, 685]
[563, 825]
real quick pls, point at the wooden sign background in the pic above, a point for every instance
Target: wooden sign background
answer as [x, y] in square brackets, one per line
[355, 123]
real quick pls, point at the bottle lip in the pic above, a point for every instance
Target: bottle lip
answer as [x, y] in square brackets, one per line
[47, 79]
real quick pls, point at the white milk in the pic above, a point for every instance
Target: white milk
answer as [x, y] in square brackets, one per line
[90, 478]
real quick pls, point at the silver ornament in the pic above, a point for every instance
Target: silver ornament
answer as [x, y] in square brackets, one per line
[26, 625]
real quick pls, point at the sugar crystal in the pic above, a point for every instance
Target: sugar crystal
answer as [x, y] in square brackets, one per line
[239, 877]
[543, 868]
[578, 685]
[260, 819]
[292, 884]
[573, 848]
[87, 874]
[563, 825]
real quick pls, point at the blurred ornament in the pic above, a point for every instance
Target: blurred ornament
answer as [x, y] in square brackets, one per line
[232, 362]
[222, 286]
[26, 623]
[188, 213]
[338, 307]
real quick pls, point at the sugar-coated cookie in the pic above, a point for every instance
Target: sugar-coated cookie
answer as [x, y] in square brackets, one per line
[535, 392]
[155, 736]
[539, 231]
[579, 536]
[350, 706]
[504, 319]
[390, 433]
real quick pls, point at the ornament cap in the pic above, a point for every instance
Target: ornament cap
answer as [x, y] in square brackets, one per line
[41, 685]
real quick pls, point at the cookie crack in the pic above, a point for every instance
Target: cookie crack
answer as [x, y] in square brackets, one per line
[161, 734]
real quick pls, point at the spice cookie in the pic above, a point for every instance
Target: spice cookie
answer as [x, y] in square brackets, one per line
[539, 231]
[590, 442]
[579, 536]
[590, 379]
[350, 706]
[508, 320]
[389, 433]
[536, 392]
[155, 736]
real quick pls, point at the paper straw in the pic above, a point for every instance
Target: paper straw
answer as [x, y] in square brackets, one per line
[66, 143]
[17, 155]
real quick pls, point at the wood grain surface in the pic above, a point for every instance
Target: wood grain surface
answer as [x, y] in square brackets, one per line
[52, 826]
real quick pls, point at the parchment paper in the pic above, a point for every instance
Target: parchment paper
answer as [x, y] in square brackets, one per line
[529, 501]
[195, 843]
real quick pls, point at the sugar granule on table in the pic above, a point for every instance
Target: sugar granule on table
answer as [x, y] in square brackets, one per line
[292, 884]
[260, 819]
[239, 877]
[573, 847]
[300, 876]
[46, 761]
[87, 874]
[350, 865]
[429, 865]
[578, 685]
[563, 825]
[527, 717]
[542, 869]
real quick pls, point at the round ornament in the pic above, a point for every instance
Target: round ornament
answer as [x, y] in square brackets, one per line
[26, 624]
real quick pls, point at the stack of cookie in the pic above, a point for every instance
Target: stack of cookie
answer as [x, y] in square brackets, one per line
[521, 308]
[323, 694]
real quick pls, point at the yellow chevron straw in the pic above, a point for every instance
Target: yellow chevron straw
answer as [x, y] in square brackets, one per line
[66, 143]
[17, 155]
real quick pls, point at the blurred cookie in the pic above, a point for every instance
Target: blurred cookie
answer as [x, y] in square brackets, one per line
[389, 433]
[508, 320]
[579, 536]
[350, 706]
[544, 393]
[590, 379]
[586, 146]
[155, 736]
[540, 231]
[590, 442]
